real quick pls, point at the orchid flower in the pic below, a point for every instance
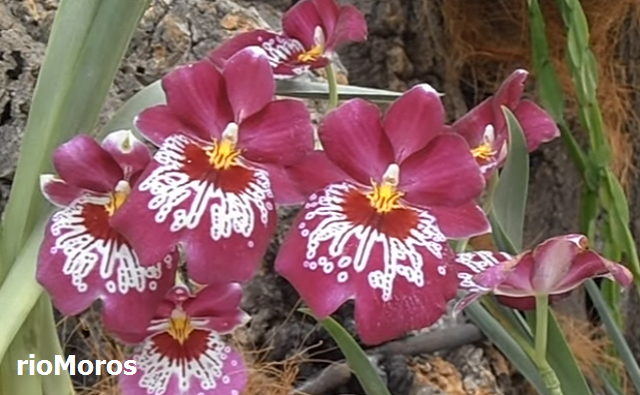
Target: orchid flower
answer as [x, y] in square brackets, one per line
[554, 268]
[184, 352]
[82, 258]
[312, 29]
[388, 192]
[210, 188]
[485, 127]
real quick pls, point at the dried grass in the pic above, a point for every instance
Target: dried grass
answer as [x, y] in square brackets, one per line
[490, 38]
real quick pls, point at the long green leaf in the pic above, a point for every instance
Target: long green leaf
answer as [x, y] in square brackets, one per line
[86, 46]
[510, 198]
[615, 334]
[356, 358]
[506, 343]
[320, 90]
[561, 358]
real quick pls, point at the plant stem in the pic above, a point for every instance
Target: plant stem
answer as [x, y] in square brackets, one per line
[332, 80]
[542, 324]
[540, 356]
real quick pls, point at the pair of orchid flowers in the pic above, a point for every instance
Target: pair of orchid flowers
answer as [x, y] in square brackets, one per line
[380, 200]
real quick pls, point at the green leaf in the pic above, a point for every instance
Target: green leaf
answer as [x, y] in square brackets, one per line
[356, 358]
[510, 198]
[506, 343]
[87, 43]
[617, 337]
[320, 90]
[20, 292]
[151, 95]
[561, 358]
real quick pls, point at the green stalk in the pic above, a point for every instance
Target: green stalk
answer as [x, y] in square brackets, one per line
[332, 81]
[540, 354]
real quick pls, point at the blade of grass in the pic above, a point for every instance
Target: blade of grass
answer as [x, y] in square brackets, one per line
[320, 90]
[356, 358]
[615, 334]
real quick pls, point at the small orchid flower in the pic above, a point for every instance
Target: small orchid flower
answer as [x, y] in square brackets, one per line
[485, 127]
[82, 258]
[184, 352]
[387, 193]
[224, 143]
[553, 268]
[312, 29]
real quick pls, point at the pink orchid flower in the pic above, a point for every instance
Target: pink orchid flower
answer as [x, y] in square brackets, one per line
[554, 268]
[485, 127]
[82, 258]
[388, 192]
[312, 29]
[224, 143]
[183, 352]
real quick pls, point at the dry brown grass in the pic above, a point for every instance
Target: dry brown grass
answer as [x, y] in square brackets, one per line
[490, 38]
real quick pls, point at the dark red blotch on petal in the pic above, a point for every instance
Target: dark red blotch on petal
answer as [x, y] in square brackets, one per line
[194, 346]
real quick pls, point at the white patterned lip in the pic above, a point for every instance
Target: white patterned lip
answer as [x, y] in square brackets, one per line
[344, 234]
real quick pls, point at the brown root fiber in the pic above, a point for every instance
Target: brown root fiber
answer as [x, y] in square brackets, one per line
[488, 36]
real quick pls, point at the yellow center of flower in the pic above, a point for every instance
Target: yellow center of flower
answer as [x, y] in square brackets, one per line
[385, 196]
[317, 51]
[311, 55]
[118, 197]
[484, 151]
[224, 153]
[180, 326]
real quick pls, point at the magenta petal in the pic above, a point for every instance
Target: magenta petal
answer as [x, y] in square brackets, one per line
[329, 12]
[553, 260]
[591, 265]
[466, 220]
[537, 125]
[223, 52]
[321, 291]
[300, 22]
[150, 238]
[72, 159]
[471, 126]
[196, 94]
[510, 91]
[158, 122]
[351, 27]
[315, 171]
[413, 120]
[442, 174]
[410, 307]
[130, 153]
[221, 303]
[58, 192]
[281, 133]
[353, 139]
[286, 189]
[234, 258]
[248, 95]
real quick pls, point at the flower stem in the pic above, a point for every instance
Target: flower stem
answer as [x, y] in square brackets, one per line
[332, 80]
[540, 357]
